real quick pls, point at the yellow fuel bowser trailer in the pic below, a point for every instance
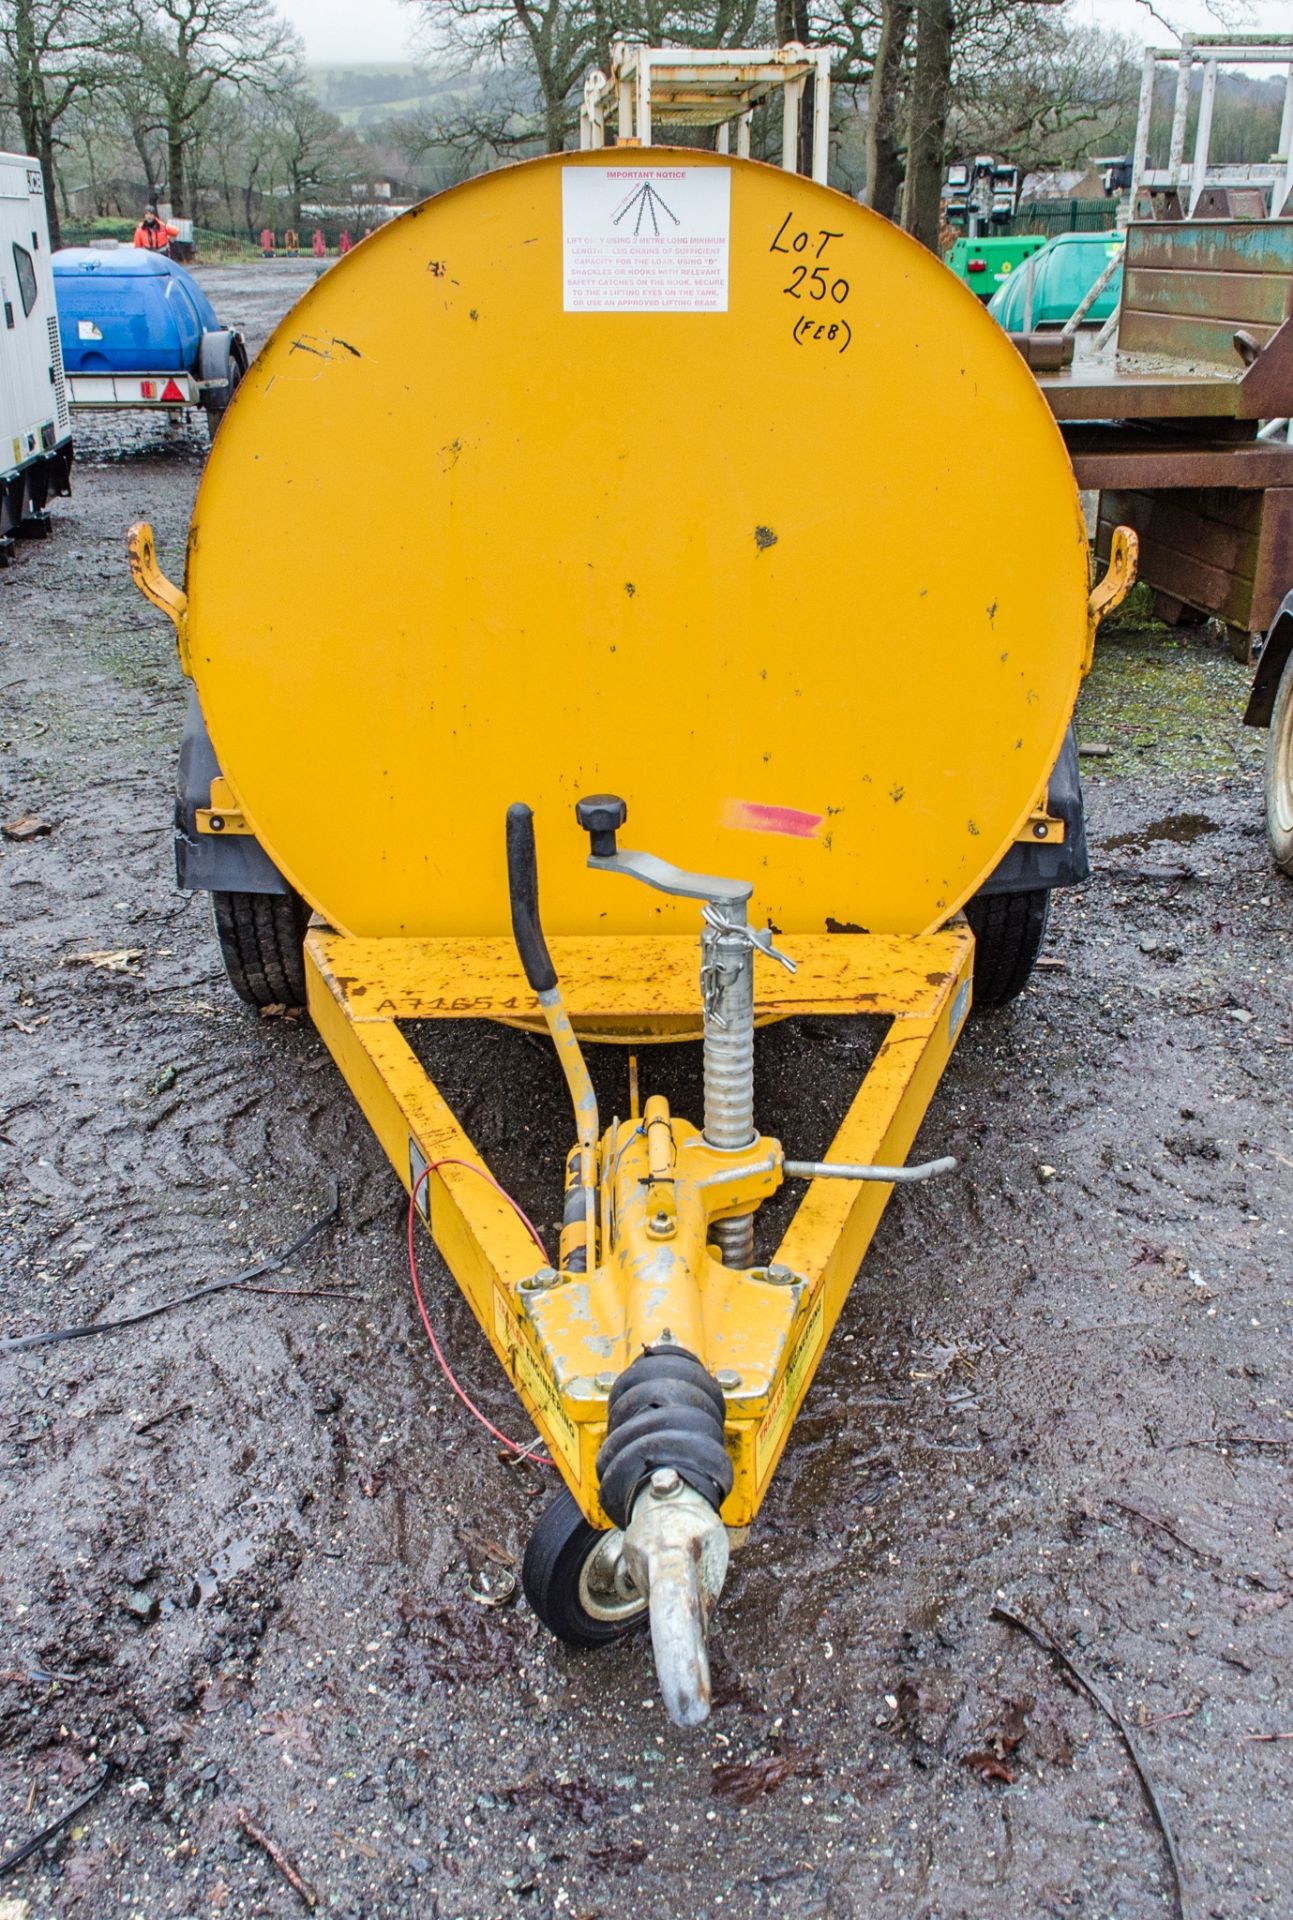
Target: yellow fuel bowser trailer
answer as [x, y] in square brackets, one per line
[620, 517]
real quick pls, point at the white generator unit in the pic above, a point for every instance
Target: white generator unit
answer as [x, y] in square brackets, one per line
[35, 425]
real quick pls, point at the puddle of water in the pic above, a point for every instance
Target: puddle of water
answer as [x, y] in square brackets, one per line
[234, 1559]
[1182, 829]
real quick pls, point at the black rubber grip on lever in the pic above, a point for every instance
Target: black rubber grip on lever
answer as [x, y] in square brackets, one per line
[523, 892]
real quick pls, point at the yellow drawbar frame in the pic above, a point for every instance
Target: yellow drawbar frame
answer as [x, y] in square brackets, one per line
[769, 1326]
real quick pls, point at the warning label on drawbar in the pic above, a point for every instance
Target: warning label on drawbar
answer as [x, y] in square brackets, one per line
[645, 239]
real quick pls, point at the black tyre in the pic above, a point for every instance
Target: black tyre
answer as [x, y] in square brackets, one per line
[1279, 773]
[569, 1587]
[217, 401]
[262, 944]
[1008, 932]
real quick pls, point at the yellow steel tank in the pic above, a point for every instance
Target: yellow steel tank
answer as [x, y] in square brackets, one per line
[657, 473]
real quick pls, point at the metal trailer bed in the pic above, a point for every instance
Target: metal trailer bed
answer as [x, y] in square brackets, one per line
[1183, 432]
[1167, 429]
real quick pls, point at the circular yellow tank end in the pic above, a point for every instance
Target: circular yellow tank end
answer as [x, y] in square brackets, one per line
[804, 578]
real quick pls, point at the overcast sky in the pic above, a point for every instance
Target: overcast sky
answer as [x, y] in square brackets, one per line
[1187, 16]
[346, 33]
[380, 30]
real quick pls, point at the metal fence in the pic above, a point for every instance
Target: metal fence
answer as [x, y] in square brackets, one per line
[219, 243]
[211, 243]
[1034, 216]
[1065, 216]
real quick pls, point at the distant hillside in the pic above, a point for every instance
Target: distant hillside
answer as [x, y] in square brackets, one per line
[361, 96]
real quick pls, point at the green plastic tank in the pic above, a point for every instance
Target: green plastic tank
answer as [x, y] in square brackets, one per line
[1063, 272]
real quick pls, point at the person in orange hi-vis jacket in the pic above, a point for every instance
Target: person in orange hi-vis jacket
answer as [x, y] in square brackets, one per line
[153, 234]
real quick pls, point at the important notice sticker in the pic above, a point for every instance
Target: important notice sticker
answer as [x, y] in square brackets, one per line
[645, 239]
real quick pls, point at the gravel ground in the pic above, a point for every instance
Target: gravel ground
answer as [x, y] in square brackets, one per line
[239, 1538]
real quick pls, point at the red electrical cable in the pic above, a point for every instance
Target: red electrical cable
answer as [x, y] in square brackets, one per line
[527, 1453]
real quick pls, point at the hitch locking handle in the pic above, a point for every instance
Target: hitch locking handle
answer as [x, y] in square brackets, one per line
[523, 893]
[527, 931]
[843, 1170]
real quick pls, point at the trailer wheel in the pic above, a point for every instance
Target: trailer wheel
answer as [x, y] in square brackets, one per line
[1008, 933]
[1279, 773]
[217, 401]
[262, 944]
[569, 1579]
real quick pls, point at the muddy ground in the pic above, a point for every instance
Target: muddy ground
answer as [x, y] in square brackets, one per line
[238, 1539]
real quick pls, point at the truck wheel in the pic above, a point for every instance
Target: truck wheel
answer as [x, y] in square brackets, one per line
[1008, 933]
[1279, 773]
[262, 944]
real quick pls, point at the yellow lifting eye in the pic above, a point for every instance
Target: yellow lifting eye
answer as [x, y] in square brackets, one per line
[1110, 592]
[154, 585]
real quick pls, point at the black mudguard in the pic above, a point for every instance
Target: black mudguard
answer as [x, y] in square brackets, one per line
[208, 862]
[1040, 866]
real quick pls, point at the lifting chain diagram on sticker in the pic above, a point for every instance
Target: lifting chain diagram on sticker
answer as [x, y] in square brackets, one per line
[645, 239]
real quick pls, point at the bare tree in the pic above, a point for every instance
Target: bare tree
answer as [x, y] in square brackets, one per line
[255, 159]
[1230, 15]
[188, 48]
[96, 140]
[142, 121]
[1010, 77]
[311, 148]
[482, 118]
[227, 141]
[928, 104]
[555, 42]
[48, 48]
[1048, 99]
[884, 147]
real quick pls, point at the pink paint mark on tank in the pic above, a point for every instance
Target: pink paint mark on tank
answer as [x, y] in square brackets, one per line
[749, 816]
